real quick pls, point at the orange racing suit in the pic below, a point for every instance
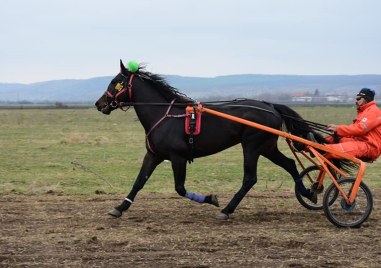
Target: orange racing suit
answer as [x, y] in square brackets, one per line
[362, 139]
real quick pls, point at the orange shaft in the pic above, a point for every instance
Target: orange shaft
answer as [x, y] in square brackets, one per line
[280, 133]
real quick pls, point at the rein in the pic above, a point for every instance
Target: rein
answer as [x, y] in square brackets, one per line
[316, 126]
[185, 104]
[127, 88]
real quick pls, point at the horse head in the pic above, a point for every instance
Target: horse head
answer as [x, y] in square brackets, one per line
[119, 89]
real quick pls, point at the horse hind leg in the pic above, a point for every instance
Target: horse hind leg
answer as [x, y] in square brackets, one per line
[289, 165]
[249, 180]
[199, 198]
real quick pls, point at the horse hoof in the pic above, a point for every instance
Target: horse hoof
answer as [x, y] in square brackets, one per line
[313, 196]
[214, 200]
[222, 216]
[115, 213]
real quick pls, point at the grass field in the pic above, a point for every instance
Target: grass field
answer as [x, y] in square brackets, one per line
[81, 151]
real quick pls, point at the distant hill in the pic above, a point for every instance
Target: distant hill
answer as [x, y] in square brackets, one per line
[230, 86]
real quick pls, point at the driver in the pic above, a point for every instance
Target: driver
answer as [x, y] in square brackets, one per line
[362, 138]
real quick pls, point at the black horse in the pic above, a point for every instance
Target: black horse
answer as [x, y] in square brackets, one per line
[161, 110]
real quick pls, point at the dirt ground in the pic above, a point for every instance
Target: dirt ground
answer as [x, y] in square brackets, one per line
[269, 229]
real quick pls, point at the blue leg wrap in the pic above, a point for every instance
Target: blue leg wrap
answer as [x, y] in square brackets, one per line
[195, 197]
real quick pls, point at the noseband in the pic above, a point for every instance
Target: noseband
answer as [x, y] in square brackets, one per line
[127, 87]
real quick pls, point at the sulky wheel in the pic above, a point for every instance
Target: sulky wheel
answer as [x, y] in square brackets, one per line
[309, 178]
[342, 214]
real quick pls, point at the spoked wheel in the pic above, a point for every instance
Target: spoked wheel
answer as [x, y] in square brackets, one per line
[309, 177]
[342, 214]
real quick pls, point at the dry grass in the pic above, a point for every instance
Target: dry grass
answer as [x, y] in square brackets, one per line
[269, 229]
[57, 165]
[41, 146]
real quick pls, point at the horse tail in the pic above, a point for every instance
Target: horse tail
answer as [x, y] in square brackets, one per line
[296, 125]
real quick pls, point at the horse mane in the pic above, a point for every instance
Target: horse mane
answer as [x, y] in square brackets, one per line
[162, 86]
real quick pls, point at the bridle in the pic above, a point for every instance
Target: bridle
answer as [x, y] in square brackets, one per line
[126, 87]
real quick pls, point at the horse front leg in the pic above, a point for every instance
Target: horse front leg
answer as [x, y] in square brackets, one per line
[150, 162]
[179, 172]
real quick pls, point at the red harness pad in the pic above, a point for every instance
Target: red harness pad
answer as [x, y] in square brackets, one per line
[192, 121]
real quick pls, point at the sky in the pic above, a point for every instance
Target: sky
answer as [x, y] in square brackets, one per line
[45, 40]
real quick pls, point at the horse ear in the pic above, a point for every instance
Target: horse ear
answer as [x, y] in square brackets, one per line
[123, 69]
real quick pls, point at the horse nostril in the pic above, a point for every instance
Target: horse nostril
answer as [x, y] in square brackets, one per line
[99, 108]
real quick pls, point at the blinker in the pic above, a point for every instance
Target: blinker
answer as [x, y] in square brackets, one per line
[119, 87]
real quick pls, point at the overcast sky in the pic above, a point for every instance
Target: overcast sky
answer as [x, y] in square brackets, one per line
[44, 40]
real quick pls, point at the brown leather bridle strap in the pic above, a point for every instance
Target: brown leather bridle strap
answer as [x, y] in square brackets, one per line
[128, 88]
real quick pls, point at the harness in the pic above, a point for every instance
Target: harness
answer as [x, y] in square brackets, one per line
[192, 112]
[192, 117]
[166, 115]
